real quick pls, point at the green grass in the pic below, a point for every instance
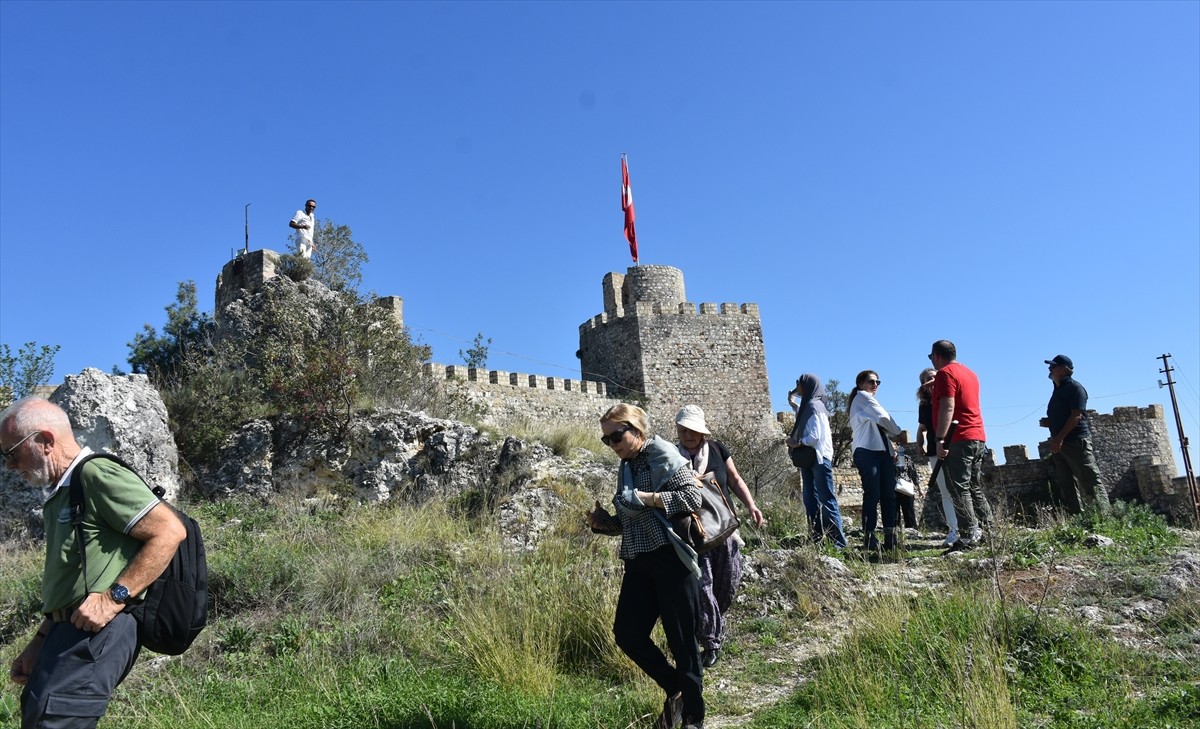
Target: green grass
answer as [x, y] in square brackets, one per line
[943, 661]
[333, 614]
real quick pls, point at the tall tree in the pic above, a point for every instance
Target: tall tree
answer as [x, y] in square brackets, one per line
[158, 355]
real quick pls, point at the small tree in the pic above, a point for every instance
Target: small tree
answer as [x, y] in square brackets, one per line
[839, 421]
[21, 375]
[760, 454]
[337, 259]
[477, 355]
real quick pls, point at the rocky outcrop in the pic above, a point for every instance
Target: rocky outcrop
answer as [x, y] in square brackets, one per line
[120, 414]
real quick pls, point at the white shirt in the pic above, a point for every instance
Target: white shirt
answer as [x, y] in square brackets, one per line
[865, 414]
[303, 217]
[818, 435]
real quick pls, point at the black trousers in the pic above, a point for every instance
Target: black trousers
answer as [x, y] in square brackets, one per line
[656, 586]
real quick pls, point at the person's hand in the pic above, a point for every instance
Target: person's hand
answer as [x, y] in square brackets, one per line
[22, 666]
[1055, 444]
[602, 522]
[757, 515]
[1044, 423]
[593, 517]
[941, 450]
[97, 610]
[791, 443]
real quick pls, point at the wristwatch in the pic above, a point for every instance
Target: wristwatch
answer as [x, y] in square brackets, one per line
[119, 593]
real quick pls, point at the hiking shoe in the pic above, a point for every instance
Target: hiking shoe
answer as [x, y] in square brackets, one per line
[671, 714]
[951, 538]
[960, 546]
[691, 723]
[709, 656]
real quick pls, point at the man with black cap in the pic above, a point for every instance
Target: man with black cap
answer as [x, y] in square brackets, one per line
[1075, 470]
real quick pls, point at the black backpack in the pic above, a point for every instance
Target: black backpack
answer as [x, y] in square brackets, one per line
[176, 606]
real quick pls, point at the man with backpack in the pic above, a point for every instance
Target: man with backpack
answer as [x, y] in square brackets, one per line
[88, 641]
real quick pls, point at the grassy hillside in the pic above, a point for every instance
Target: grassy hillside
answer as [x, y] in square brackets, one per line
[328, 614]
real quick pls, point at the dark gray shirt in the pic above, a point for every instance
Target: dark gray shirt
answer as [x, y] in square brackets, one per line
[1068, 395]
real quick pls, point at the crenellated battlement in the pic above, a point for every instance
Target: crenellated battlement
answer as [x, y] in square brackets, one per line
[512, 379]
[685, 308]
[508, 396]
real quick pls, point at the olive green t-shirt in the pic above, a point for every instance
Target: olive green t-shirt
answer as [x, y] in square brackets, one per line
[114, 499]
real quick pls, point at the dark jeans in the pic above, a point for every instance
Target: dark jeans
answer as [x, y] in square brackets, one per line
[1076, 474]
[878, 473]
[820, 503]
[75, 674]
[658, 585]
[964, 479]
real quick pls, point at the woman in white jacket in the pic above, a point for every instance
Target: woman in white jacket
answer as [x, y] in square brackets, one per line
[873, 429]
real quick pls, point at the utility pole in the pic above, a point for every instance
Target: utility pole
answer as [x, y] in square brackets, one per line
[247, 228]
[1183, 441]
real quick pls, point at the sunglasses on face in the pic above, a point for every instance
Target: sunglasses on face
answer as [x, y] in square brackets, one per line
[614, 437]
[10, 455]
[877, 383]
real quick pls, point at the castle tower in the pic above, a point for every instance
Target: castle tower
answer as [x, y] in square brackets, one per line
[652, 343]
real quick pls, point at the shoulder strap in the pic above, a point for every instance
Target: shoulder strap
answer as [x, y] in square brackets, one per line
[76, 499]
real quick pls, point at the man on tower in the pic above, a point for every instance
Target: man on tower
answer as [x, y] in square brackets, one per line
[305, 225]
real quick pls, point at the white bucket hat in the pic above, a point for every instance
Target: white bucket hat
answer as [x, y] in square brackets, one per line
[692, 418]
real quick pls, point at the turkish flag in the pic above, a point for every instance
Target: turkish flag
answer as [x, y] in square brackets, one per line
[627, 207]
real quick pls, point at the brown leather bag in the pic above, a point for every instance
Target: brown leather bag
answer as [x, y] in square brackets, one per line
[713, 523]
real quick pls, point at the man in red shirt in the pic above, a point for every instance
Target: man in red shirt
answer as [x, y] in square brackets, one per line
[956, 397]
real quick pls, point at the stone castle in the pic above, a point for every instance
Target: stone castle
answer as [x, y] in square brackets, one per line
[650, 345]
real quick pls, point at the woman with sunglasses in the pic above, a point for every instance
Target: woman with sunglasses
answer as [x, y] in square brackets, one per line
[925, 446]
[658, 584]
[873, 429]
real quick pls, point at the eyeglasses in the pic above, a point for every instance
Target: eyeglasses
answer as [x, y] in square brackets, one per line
[930, 356]
[10, 455]
[874, 382]
[614, 437]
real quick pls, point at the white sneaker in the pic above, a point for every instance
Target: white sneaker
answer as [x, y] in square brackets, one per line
[951, 538]
[976, 535]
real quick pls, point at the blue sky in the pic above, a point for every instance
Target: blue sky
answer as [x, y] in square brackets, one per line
[1020, 178]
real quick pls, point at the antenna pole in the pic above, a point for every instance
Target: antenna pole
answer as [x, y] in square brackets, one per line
[247, 228]
[1183, 441]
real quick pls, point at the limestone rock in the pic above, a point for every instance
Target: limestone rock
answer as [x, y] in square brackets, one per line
[124, 415]
[119, 414]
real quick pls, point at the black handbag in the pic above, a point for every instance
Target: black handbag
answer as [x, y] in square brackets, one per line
[710, 525]
[803, 456]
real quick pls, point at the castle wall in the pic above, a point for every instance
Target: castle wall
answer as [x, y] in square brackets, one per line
[513, 396]
[1120, 437]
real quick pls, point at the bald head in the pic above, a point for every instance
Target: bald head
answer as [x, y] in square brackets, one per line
[37, 433]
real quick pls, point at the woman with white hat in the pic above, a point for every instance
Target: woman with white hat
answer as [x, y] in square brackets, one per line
[721, 568]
